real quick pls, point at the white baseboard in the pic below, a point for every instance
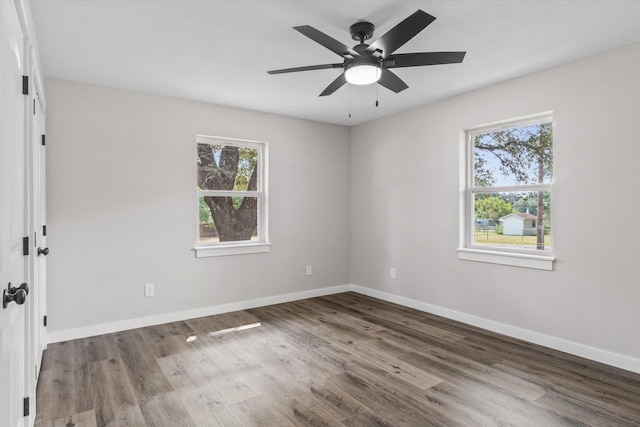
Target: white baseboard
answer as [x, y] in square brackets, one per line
[614, 359]
[141, 322]
[609, 358]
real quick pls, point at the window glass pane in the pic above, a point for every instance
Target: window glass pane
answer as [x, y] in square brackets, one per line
[517, 220]
[228, 219]
[227, 167]
[513, 156]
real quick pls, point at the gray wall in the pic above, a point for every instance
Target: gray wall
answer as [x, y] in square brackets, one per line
[405, 205]
[122, 210]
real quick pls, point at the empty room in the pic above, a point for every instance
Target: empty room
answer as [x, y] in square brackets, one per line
[319, 213]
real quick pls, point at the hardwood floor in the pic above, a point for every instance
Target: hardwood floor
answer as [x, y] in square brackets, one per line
[340, 360]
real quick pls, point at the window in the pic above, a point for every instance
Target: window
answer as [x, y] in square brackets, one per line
[507, 176]
[231, 195]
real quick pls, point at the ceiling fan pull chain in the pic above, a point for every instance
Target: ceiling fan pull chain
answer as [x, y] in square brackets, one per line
[349, 101]
[377, 95]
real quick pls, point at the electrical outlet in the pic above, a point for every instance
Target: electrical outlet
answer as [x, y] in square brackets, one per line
[309, 270]
[149, 290]
[392, 273]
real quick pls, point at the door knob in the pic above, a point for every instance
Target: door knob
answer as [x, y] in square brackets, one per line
[23, 286]
[18, 295]
[44, 251]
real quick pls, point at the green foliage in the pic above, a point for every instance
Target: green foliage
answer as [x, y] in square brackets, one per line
[204, 212]
[491, 207]
[523, 155]
[247, 161]
[527, 204]
[483, 176]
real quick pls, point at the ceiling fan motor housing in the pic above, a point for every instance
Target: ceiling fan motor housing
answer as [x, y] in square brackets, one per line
[362, 31]
[362, 60]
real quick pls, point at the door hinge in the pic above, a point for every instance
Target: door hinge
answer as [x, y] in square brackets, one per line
[45, 320]
[44, 230]
[25, 407]
[43, 140]
[25, 85]
[25, 246]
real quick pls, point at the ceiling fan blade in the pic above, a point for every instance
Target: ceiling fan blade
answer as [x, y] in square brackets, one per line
[326, 41]
[402, 33]
[423, 58]
[391, 81]
[335, 85]
[307, 68]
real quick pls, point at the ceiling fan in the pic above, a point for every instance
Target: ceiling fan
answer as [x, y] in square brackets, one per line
[366, 64]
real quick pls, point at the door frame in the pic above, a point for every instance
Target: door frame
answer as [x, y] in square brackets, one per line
[36, 174]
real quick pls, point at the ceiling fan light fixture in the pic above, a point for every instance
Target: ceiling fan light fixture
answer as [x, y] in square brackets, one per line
[363, 71]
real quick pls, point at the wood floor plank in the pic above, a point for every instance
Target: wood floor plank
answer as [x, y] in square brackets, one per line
[336, 360]
[295, 326]
[101, 347]
[83, 419]
[114, 399]
[225, 378]
[504, 399]
[595, 394]
[258, 412]
[207, 410]
[420, 339]
[302, 360]
[577, 412]
[402, 318]
[365, 304]
[368, 418]
[201, 400]
[160, 342]
[394, 407]
[471, 406]
[332, 311]
[143, 370]
[366, 350]
[180, 328]
[63, 392]
[461, 371]
[316, 416]
[66, 356]
[165, 409]
[340, 403]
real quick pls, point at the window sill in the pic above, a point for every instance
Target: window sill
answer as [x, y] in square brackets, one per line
[224, 250]
[507, 258]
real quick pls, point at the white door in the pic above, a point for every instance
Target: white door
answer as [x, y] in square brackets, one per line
[13, 264]
[36, 303]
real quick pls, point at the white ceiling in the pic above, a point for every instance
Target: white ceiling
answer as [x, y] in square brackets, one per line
[219, 51]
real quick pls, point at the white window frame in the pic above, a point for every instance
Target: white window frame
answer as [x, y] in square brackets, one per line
[239, 247]
[467, 250]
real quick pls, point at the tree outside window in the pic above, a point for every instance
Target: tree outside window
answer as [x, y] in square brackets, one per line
[509, 186]
[230, 187]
